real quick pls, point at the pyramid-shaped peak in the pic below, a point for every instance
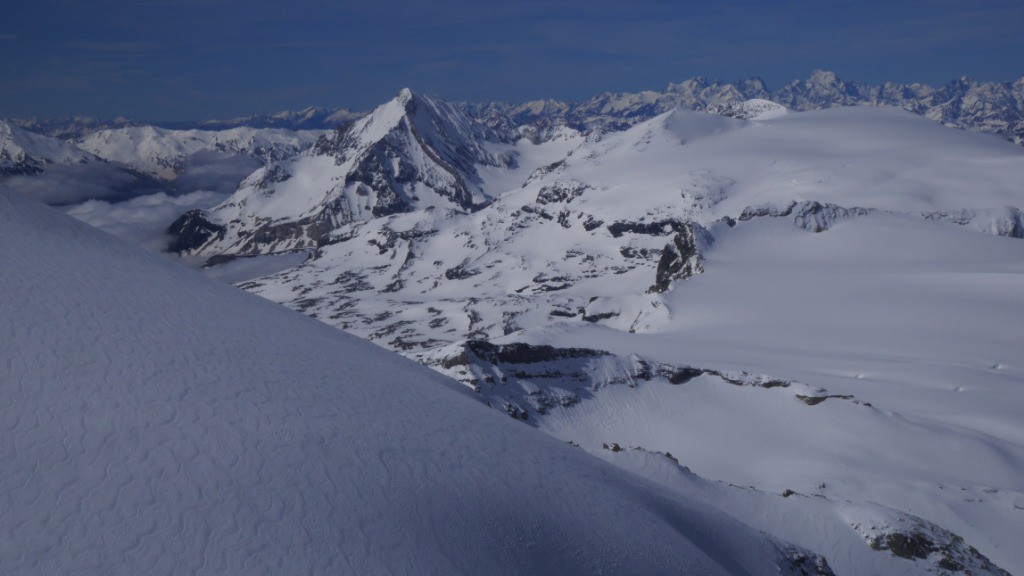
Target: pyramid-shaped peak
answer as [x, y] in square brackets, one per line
[428, 115]
[405, 95]
[412, 101]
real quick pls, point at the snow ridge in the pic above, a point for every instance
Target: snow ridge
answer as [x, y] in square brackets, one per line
[26, 153]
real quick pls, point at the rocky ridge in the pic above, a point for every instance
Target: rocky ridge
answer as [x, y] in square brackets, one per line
[991, 107]
[412, 153]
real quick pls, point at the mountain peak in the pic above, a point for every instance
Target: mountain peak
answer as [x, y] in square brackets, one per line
[825, 77]
[405, 95]
[410, 153]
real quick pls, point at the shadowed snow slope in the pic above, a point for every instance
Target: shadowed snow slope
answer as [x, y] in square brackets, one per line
[158, 422]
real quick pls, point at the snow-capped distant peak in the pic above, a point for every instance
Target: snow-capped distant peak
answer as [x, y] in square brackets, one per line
[165, 153]
[412, 152]
[24, 152]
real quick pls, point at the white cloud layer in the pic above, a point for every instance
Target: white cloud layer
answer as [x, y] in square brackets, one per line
[143, 220]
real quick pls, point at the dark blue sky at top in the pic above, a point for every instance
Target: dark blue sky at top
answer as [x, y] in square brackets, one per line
[190, 59]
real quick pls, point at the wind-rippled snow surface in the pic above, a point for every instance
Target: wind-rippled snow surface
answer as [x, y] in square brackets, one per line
[157, 422]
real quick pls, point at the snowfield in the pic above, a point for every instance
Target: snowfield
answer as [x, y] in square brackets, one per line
[156, 421]
[824, 303]
[807, 320]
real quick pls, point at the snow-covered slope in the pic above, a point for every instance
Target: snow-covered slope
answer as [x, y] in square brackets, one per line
[595, 222]
[412, 153]
[166, 153]
[23, 152]
[158, 422]
[61, 173]
[821, 302]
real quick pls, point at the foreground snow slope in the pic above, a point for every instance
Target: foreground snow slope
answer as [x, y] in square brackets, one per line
[158, 422]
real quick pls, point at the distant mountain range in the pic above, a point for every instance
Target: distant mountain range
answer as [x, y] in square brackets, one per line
[76, 128]
[992, 107]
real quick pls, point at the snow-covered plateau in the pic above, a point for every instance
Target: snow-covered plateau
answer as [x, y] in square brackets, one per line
[806, 320]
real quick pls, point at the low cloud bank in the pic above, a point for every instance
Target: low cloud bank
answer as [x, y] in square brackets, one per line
[143, 220]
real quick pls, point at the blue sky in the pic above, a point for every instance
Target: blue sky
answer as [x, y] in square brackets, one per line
[190, 59]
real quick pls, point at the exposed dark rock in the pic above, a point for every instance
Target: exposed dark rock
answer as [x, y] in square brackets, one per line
[659, 228]
[192, 230]
[751, 212]
[271, 175]
[1006, 222]
[460, 272]
[403, 343]
[461, 359]
[809, 215]
[591, 224]
[909, 546]
[630, 252]
[561, 192]
[218, 259]
[681, 259]
[808, 564]
[520, 353]
[24, 168]
[594, 318]
[544, 171]
[516, 412]
[927, 541]
[680, 375]
[389, 238]
[815, 400]
[307, 231]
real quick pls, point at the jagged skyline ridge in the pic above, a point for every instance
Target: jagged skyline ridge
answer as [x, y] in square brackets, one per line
[993, 107]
